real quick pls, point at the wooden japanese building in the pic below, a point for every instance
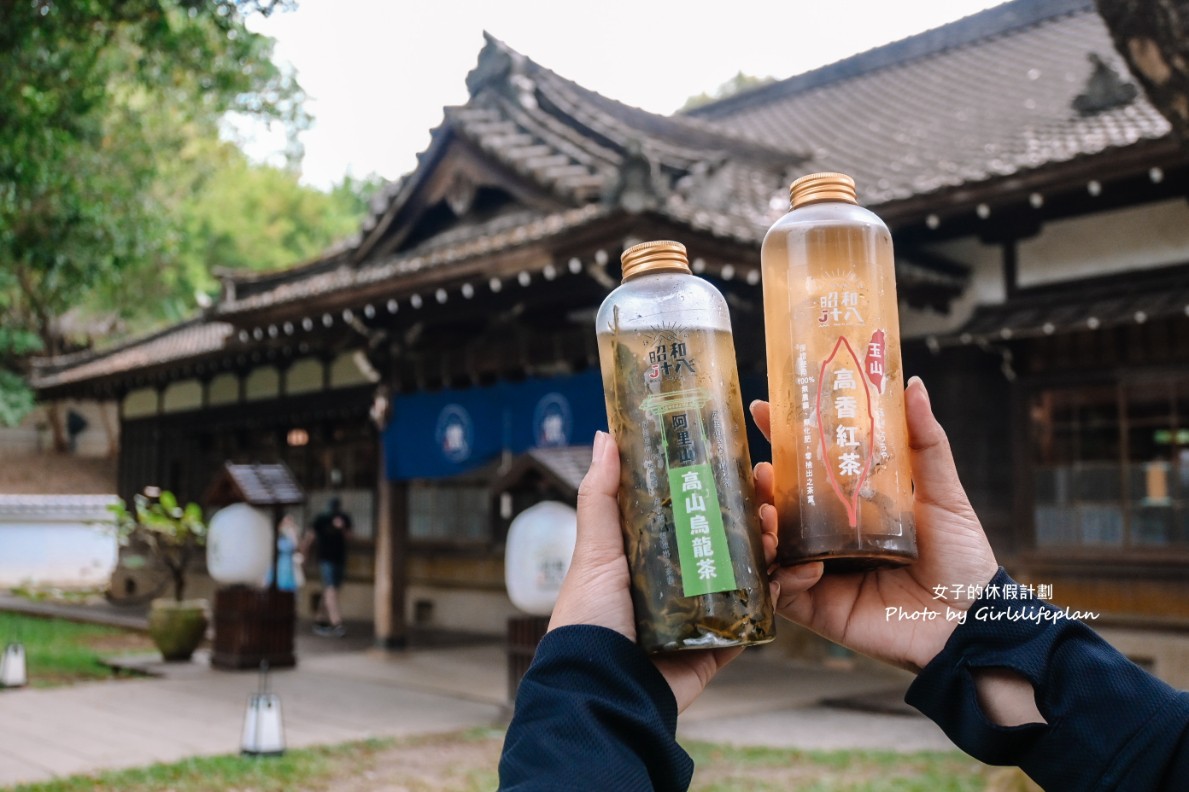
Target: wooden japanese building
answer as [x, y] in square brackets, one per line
[1038, 207]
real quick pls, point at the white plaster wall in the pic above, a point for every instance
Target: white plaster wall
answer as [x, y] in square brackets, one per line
[140, 403]
[985, 288]
[470, 610]
[262, 383]
[33, 434]
[73, 546]
[345, 372]
[1109, 242]
[1168, 653]
[224, 389]
[304, 376]
[182, 396]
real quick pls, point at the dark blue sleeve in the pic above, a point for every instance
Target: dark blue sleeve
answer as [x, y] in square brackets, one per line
[592, 712]
[1110, 724]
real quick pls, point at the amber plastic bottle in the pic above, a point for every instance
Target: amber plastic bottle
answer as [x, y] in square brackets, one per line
[835, 382]
[686, 496]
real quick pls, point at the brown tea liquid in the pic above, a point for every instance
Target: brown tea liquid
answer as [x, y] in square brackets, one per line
[836, 386]
[686, 496]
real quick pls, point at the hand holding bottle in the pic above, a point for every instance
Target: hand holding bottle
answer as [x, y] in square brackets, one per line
[883, 613]
[597, 587]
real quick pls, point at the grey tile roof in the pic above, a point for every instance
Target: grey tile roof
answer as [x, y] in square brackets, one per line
[569, 463]
[573, 144]
[187, 340]
[458, 246]
[985, 98]
[1098, 304]
[56, 508]
[576, 144]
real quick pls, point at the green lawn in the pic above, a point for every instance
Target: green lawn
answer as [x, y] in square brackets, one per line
[728, 769]
[61, 652]
[467, 762]
[312, 769]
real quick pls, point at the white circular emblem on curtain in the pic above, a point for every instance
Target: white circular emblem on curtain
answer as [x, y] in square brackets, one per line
[552, 421]
[455, 433]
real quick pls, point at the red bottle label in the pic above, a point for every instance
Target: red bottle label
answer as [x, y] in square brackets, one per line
[845, 424]
[874, 362]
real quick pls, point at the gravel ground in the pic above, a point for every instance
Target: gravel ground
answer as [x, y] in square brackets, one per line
[23, 473]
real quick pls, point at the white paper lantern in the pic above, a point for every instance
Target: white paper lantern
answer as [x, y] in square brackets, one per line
[12, 666]
[537, 555]
[239, 545]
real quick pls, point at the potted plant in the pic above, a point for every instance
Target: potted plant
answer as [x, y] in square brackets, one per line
[172, 535]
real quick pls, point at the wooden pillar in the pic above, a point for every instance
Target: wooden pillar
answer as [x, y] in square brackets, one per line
[1011, 268]
[392, 544]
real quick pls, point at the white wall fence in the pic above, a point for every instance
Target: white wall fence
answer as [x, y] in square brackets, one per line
[57, 540]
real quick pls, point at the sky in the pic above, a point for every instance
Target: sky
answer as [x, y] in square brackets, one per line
[377, 73]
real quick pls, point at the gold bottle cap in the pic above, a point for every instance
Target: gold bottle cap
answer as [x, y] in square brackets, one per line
[818, 187]
[657, 256]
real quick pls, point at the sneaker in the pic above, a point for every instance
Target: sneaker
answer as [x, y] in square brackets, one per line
[324, 630]
[338, 631]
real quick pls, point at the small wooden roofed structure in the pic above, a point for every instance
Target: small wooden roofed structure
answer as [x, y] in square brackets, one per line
[255, 484]
[561, 469]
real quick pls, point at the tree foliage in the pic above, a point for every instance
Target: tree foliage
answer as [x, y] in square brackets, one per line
[117, 195]
[171, 533]
[91, 96]
[737, 84]
[1153, 37]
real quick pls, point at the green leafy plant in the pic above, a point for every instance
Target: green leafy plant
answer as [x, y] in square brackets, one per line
[171, 533]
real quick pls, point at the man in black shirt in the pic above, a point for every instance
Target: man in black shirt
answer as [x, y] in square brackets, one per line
[329, 536]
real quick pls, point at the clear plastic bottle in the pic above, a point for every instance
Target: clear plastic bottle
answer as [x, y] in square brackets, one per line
[836, 383]
[686, 497]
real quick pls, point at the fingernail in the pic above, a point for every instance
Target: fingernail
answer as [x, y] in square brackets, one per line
[600, 446]
[806, 571]
[767, 509]
[920, 383]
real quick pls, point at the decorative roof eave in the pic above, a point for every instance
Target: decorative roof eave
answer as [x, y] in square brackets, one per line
[189, 341]
[1102, 304]
[429, 266]
[983, 197]
[375, 226]
[237, 282]
[397, 273]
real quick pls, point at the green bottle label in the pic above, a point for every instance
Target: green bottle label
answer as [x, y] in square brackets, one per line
[697, 519]
[701, 538]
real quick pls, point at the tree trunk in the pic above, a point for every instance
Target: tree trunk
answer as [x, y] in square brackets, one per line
[1153, 37]
[53, 414]
[110, 428]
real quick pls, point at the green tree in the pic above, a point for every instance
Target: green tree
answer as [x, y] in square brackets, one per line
[222, 211]
[737, 84]
[1154, 40]
[96, 99]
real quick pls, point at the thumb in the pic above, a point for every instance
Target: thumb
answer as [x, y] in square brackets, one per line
[934, 475]
[599, 539]
[599, 536]
[596, 587]
[953, 547]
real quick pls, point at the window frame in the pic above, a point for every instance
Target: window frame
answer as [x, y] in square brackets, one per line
[1124, 384]
[482, 493]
